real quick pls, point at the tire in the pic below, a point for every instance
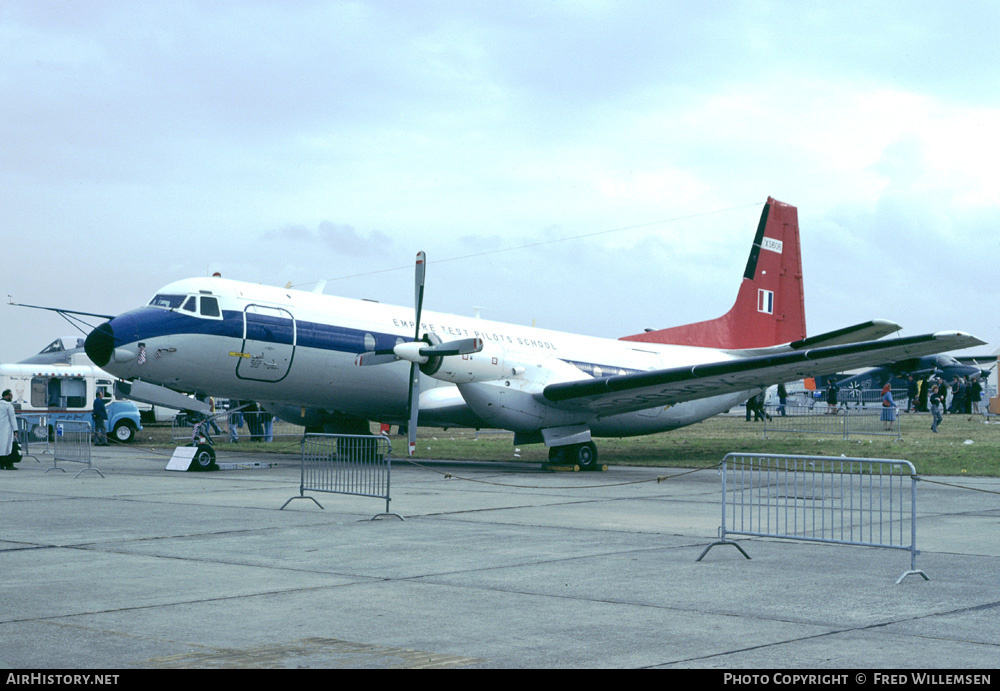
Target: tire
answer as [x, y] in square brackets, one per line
[204, 459]
[586, 456]
[124, 432]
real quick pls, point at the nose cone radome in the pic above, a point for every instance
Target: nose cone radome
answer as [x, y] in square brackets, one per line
[100, 344]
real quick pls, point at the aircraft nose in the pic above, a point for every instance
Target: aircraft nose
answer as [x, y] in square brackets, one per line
[100, 344]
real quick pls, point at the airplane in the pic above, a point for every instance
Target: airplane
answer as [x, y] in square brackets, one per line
[942, 365]
[62, 350]
[341, 363]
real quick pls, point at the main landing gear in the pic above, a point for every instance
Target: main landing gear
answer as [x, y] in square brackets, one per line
[583, 455]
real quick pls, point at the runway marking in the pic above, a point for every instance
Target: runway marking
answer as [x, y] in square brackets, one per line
[312, 652]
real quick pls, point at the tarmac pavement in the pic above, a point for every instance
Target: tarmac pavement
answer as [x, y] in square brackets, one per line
[494, 566]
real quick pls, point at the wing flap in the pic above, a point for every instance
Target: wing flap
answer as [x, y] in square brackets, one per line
[630, 392]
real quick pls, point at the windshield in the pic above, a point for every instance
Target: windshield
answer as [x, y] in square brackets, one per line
[167, 301]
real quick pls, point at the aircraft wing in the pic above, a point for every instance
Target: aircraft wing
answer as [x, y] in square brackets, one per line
[630, 392]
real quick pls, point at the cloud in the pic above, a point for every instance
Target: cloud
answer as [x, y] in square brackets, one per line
[340, 238]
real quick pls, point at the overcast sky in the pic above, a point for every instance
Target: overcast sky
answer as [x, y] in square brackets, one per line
[596, 167]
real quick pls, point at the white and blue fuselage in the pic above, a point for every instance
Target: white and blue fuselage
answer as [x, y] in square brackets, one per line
[298, 349]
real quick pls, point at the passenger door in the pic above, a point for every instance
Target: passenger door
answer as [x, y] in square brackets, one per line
[268, 343]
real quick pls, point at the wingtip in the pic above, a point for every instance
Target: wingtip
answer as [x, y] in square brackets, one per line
[967, 339]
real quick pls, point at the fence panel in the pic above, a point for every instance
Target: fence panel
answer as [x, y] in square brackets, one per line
[360, 465]
[848, 501]
[841, 421]
[26, 436]
[71, 443]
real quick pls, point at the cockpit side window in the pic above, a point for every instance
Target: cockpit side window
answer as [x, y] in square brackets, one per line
[210, 307]
[190, 305]
[167, 301]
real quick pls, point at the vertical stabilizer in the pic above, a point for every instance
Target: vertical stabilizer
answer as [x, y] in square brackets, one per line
[770, 306]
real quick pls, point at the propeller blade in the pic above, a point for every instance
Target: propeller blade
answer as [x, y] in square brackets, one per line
[413, 407]
[460, 347]
[420, 351]
[421, 268]
[375, 357]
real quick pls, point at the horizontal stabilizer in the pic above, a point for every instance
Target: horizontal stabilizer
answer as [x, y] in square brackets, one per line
[867, 331]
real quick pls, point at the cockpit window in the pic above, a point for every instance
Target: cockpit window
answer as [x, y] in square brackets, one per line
[210, 307]
[189, 303]
[167, 301]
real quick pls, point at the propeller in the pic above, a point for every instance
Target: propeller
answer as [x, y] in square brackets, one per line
[424, 353]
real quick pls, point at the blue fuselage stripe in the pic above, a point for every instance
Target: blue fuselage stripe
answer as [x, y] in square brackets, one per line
[154, 322]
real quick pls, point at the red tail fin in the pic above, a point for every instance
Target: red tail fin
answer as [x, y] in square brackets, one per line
[770, 307]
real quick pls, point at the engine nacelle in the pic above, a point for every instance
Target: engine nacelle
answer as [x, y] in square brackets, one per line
[510, 407]
[489, 364]
[513, 401]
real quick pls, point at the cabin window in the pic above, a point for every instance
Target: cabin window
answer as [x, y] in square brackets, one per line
[210, 307]
[369, 342]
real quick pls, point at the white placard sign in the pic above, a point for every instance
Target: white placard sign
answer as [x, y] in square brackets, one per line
[181, 460]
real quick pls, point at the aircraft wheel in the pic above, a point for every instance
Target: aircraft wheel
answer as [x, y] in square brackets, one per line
[204, 458]
[586, 455]
[557, 455]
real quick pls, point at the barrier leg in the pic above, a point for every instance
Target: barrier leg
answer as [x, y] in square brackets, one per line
[301, 496]
[723, 542]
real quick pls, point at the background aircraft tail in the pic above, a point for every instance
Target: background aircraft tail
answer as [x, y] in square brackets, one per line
[770, 306]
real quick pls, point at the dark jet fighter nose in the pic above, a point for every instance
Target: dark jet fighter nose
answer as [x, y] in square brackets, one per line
[100, 344]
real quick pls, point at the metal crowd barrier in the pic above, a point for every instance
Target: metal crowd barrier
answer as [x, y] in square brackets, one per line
[346, 464]
[841, 421]
[847, 501]
[25, 430]
[72, 444]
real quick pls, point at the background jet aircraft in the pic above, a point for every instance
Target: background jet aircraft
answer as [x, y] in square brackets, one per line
[59, 351]
[945, 366]
[352, 361]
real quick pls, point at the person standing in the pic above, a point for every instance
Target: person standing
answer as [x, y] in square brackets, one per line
[782, 399]
[831, 399]
[912, 392]
[975, 394]
[8, 430]
[888, 407]
[100, 417]
[937, 407]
